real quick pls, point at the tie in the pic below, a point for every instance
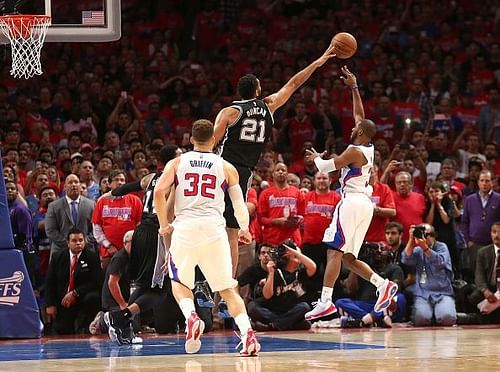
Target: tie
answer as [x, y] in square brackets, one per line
[74, 212]
[498, 270]
[74, 261]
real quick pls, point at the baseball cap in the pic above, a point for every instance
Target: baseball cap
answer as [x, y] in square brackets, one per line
[86, 146]
[76, 155]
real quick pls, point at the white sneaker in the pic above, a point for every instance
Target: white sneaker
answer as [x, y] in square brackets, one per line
[321, 309]
[194, 330]
[385, 294]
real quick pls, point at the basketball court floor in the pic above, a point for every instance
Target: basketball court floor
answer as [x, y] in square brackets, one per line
[439, 349]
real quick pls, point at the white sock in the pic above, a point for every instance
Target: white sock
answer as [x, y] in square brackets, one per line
[187, 307]
[377, 280]
[326, 294]
[243, 323]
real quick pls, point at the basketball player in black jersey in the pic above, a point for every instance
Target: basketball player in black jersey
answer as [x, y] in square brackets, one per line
[244, 128]
[145, 256]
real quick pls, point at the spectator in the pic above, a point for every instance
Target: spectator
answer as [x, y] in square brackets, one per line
[73, 286]
[362, 295]
[394, 242]
[384, 208]
[488, 116]
[278, 208]
[441, 213]
[448, 175]
[284, 303]
[113, 218]
[22, 225]
[70, 211]
[41, 242]
[481, 210]
[317, 208]
[116, 287]
[473, 144]
[410, 206]
[434, 298]
[87, 178]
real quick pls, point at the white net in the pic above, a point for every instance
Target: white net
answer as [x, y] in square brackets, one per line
[26, 34]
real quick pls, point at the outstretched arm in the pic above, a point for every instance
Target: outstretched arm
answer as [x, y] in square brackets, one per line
[278, 99]
[357, 103]
[349, 156]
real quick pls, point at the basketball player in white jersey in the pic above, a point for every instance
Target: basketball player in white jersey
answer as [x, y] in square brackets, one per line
[199, 231]
[353, 213]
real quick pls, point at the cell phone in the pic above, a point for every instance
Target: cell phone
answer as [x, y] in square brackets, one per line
[124, 94]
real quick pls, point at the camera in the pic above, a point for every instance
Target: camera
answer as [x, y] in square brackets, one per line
[419, 232]
[278, 254]
[375, 254]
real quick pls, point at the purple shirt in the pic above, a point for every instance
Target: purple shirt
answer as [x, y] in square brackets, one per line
[477, 220]
[20, 220]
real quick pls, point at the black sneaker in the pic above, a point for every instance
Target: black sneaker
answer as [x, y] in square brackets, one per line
[120, 335]
[203, 295]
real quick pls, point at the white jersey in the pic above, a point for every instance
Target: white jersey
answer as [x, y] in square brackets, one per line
[200, 185]
[357, 180]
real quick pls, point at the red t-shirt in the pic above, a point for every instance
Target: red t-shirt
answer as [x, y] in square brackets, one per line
[299, 132]
[271, 205]
[381, 197]
[116, 217]
[410, 210]
[317, 210]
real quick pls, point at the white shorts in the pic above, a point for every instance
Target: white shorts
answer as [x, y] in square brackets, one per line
[351, 219]
[190, 247]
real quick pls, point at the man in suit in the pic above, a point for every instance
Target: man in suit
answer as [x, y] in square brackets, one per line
[73, 288]
[487, 277]
[67, 212]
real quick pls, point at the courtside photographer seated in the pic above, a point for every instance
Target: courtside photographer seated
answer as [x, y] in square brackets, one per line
[434, 296]
[284, 299]
[358, 309]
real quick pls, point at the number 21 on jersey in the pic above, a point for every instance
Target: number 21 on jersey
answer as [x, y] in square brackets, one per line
[253, 130]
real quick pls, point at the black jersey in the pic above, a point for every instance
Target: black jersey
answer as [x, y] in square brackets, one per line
[246, 138]
[148, 210]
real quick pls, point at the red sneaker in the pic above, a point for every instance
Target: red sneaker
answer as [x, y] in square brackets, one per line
[251, 346]
[194, 330]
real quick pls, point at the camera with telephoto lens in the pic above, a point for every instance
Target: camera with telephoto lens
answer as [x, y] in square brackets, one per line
[278, 254]
[419, 232]
[375, 254]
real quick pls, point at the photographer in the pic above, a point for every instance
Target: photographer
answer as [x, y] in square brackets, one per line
[358, 308]
[284, 302]
[434, 298]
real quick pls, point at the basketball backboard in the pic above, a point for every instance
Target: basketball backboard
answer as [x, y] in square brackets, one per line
[77, 20]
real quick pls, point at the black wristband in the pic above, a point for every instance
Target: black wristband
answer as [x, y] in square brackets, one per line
[127, 188]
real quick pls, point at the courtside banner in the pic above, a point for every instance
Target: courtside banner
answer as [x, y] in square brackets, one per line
[6, 240]
[19, 316]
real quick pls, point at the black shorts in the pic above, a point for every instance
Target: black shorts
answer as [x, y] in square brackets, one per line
[245, 183]
[143, 252]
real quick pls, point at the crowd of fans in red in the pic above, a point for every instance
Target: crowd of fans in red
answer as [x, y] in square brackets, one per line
[428, 73]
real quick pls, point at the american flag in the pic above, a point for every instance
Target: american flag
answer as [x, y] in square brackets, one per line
[93, 17]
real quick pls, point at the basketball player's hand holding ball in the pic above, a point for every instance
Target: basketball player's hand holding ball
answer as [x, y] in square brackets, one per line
[329, 53]
[244, 237]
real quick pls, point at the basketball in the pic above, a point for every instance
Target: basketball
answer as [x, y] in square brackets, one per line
[345, 45]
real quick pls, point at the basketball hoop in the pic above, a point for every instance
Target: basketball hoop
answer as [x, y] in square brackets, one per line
[26, 34]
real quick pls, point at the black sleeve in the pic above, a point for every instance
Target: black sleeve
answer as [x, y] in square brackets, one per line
[127, 188]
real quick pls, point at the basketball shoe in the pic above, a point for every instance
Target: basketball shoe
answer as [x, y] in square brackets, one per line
[321, 309]
[251, 346]
[385, 294]
[194, 330]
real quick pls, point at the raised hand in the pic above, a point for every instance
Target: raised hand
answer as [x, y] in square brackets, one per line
[349, 79]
